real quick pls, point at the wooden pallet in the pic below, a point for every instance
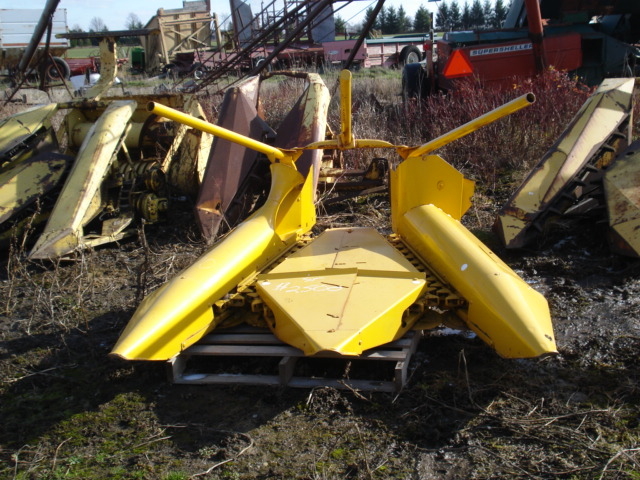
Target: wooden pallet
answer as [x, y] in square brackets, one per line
[248, 341]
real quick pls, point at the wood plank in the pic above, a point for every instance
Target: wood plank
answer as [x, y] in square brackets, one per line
[241, 338]
[243, 350]
[257, 342]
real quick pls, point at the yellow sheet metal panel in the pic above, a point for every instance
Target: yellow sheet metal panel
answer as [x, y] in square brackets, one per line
[15, 129]
[622, 191]
[23, 177]
[345, 292]
[108, 69]
[428, 180]
[80, 194]
[503, 309]
[29, 179]
[599, 117]
[345, 138]
[179, 313]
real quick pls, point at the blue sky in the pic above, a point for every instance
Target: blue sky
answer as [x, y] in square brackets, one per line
[114, 12]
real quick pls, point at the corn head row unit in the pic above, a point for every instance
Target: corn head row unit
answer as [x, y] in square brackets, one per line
[348, 289]
[345, 291]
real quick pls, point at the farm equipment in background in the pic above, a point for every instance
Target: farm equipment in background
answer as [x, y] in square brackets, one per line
[21, 38]
[349, 289]
[594, 40]
[174, 40]
[118, 166]
[121, 162]
[590, 170]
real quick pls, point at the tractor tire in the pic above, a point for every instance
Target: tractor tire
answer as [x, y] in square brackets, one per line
[170, 71]
[415, 82]
[57, 70]
[259, 62]
[198, 71]
[410, 54]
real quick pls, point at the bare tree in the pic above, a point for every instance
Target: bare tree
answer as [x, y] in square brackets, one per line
[133, 22]
[97, 25]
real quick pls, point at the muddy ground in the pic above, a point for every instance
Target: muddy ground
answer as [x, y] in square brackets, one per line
[69, 411]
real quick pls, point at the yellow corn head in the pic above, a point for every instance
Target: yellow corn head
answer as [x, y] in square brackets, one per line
[349, 289]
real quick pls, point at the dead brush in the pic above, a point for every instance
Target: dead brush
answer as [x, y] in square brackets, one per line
[516, 142]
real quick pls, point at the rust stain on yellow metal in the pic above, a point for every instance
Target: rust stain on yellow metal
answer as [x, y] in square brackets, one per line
[28, 165]
[108, 69]
[80, 199]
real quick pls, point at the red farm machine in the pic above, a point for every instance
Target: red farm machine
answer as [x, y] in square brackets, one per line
[594, 39]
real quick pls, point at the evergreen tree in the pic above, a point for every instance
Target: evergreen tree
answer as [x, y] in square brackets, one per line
[341, 25]
[391, 21]
[368, 14]
[499, 14]
[487, 13]
[477, 15]
[404, 22]
[455, 16]
[74, 42]
[443, 17]
[465, 18]
[382, 21]
[422, 20]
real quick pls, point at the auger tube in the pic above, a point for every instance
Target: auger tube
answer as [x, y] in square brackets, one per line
[272, 153]
[473, 125]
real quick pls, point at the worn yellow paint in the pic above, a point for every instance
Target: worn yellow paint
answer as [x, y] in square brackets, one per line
[17, 128]
[80, 199]
[595, 122]
[108, 69]
[622, 192]
[23, 178]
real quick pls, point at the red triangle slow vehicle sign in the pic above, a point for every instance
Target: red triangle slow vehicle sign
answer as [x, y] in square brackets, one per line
[457, 66]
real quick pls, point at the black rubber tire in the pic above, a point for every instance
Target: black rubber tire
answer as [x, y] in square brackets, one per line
[55, 69]
[415, 82]
[198, 71]
[410, 54]
[258, 61]
[170, 71]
